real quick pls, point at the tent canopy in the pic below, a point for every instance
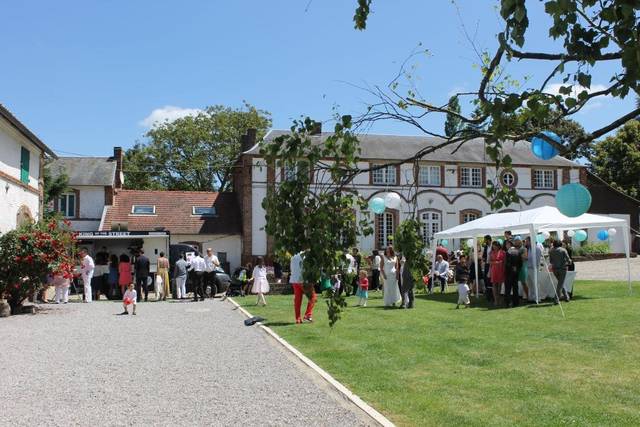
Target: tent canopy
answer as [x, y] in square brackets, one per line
[546, 218]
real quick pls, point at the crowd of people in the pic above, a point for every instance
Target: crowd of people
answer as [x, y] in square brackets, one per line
[505, 267]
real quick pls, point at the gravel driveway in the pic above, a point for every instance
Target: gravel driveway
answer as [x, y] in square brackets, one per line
[611, 269]
[173, 364]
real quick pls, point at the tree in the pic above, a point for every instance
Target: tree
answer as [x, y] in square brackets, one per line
[195, 152]
[54, 187]
[595, 34]
[617, 159]
[314, 207]
[453, 124]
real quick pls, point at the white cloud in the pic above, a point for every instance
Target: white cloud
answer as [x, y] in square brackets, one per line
[167, 113]
[554, 89]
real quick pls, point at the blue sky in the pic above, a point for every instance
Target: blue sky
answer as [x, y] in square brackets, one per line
[87, 75]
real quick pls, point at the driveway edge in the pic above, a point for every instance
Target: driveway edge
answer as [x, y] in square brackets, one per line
[339, 387]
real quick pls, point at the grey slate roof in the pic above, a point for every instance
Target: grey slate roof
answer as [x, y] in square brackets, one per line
[397, 147]
[86, 170]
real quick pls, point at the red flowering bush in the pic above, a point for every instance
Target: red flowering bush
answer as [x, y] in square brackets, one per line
[29, 254]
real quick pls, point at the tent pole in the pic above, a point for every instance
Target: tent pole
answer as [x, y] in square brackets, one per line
[536, 262]
[475, 256]
[433, 264]
[625, 231]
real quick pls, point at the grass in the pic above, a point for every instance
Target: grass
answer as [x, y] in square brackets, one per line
[435, 365]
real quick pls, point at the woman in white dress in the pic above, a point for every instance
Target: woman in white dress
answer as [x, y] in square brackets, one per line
[260, 282]
[389, 269]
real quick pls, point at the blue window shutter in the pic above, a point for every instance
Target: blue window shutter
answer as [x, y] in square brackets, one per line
[24, 165]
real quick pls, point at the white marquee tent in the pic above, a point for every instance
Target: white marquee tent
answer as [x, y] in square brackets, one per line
[532, 222]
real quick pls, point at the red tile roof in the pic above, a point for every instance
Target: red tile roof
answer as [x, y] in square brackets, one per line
[174, 212]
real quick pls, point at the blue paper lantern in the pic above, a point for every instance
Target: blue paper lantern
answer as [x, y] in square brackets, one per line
[580, 235]
[542, 148]
[444, 242]
[603, 235]
[540, 238]
[377, 205]
[573, 199]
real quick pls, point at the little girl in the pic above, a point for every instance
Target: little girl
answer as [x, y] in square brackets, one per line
[363, 289]
[130, 298]
[260, 283]
[462, 277]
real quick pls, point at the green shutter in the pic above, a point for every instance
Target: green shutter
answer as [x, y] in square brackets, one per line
[24, 165]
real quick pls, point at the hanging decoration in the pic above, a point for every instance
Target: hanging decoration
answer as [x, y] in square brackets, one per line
[444, 242]
[571, 233]
[580, 235]
[542, 148]
[392, 200]
[573, 199]
[470, 243]
[612, 232]
[377, 205]
[546, 234]
[540, 238]
[500, 241]
[603, 235]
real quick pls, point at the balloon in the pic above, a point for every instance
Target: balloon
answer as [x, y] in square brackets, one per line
[392, 200]
[603, 235]
[500, 241]
[444, 242]
[571, 233]
[518, 237]
[573, 199]
[612, 232]
[377, 205]
[546, 235]
[542, 149]
[470, 243]
[581, 235]
[540, 238]
[127, 301]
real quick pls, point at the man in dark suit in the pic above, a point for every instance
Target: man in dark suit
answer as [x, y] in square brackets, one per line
[142, 267]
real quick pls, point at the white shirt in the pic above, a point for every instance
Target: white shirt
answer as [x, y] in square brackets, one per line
[198, 264]
[259, 273]
[87, 266]
[351, 268]
[295, 268]
[441, 268]
[376, 262]
[211, 262]
[132, 295]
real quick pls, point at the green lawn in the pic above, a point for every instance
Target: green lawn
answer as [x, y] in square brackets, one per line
[435, 365]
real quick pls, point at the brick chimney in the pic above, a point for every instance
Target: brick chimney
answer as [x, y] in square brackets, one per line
[118, 155]
[317, 128]
[249, 140]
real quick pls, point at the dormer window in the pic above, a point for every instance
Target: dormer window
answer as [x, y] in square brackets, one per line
[143, 209]
[203, 211]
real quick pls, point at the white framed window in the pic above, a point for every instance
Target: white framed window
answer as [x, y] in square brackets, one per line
[143, 209]
[431, 224]
[508, 179]
[469, 215]
[429, 176]
[543, 178]
[67, 205]
[289, 172]
[470, 177]
[385, 229]
[204, 211]
[385, 175]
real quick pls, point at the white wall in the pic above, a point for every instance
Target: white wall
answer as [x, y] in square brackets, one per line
[12, 195]
[85, 225]
[91, 201]
[259, 220]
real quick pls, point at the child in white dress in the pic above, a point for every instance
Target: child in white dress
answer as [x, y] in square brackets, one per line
[130, 298]
[260, 282]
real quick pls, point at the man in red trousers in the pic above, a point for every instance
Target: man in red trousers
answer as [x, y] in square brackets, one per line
[297, 282]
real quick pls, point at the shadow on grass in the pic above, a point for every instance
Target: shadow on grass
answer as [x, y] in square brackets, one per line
[276, 324]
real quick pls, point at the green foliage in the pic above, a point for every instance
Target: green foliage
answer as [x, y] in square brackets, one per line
[453, 124]
[30, 253]
[592, 249]
[361, 14]
[54, 186]
[617, 159]
[313, 208]
[195, 152]
[408, 241]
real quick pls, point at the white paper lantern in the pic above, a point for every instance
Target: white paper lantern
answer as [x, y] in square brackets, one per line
[470, 243]
[612, 232]
[571, 233]
[546, 234]
[392, 200]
